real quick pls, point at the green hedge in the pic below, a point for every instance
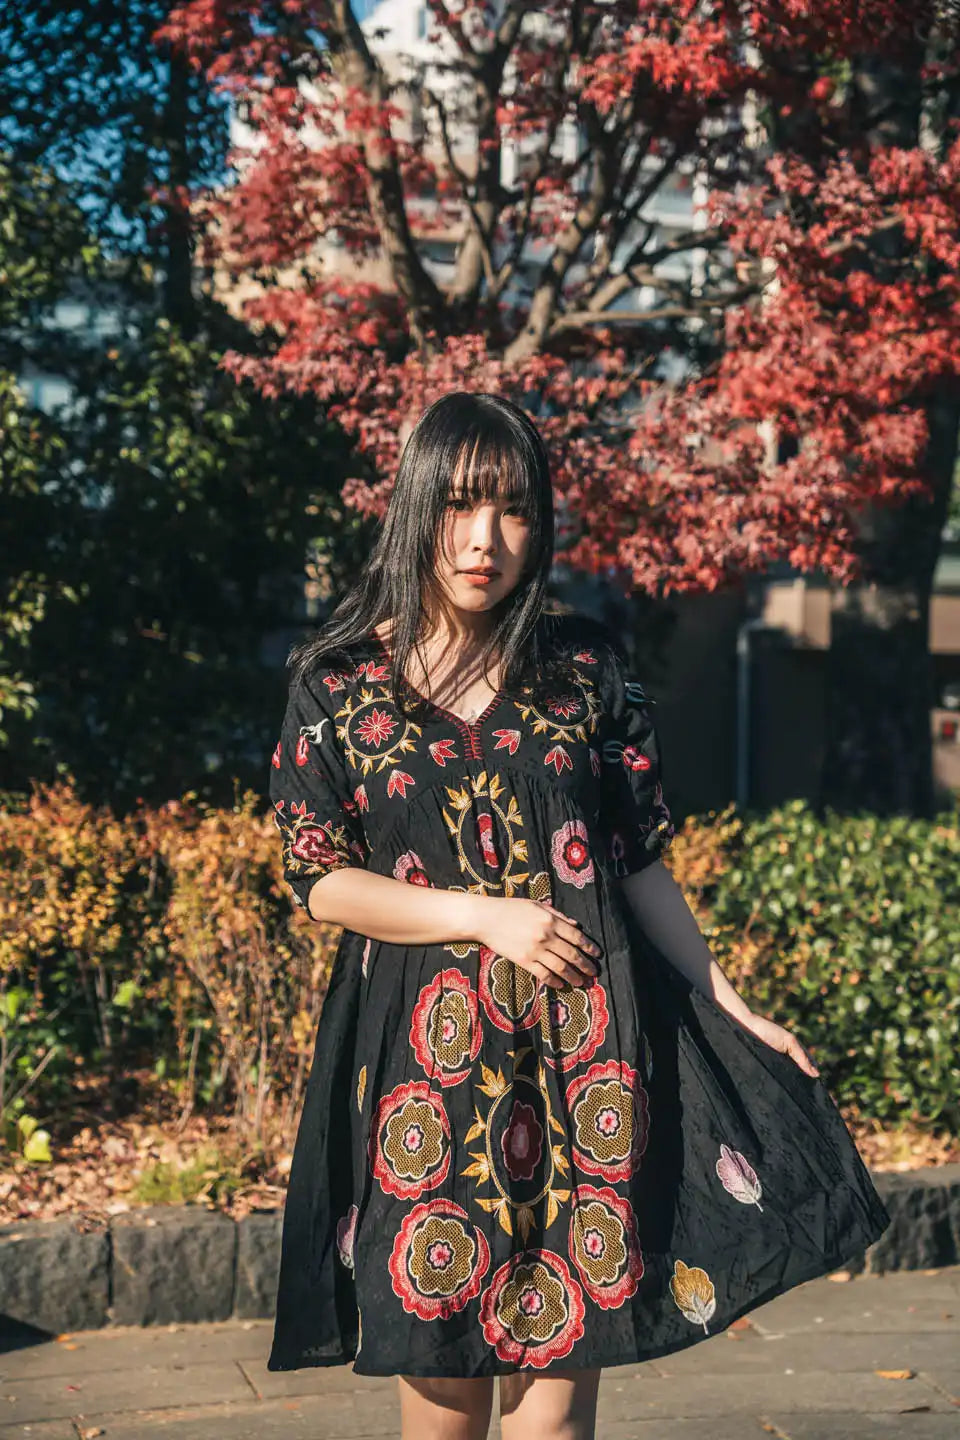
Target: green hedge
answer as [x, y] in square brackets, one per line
[846, 929]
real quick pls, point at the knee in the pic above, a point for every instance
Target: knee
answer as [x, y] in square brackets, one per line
[437, 1409]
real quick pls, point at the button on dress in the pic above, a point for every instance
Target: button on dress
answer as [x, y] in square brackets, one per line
[492, 1175]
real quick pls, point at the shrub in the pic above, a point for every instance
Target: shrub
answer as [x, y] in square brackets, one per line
[847, 930]
[168, 940]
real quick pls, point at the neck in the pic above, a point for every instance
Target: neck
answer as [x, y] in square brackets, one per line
[459, 630]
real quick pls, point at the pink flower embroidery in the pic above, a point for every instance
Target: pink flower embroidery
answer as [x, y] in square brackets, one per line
[634, 759]
[346, 1236]
[570, 854]
[410, 867]
[303, 751]
[275, 761]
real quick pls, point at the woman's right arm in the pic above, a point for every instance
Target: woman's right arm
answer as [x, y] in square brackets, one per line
[530, 933]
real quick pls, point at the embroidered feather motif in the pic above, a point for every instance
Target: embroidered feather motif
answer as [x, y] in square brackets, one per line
[693, 1292]
[738, 1177]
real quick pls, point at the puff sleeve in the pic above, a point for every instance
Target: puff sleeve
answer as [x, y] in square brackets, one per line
[634, 818]
[315, 806]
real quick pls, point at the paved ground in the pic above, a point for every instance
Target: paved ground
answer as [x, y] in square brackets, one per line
[804, 1367]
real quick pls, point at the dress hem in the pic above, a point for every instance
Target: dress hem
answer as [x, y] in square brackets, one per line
[823, 1266]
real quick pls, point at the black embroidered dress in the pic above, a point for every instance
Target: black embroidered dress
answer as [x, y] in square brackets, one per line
[490, 1174]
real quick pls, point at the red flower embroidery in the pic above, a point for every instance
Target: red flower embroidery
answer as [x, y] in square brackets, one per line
[564, 705]
[314, 846]
[442, 751]
[522, 1142]
[507, 740]
[360, 798]
[485, 841]
[303, 750]
[399, 780]
[558, 758]
[301, 809]
[510, 996]
[603, 1245]
[578, 1019]
[570, 854]
[275, 761]
[610, 1114]
[438, 1261]
[376, 728]
[445, 1031]
[532, 1310]
[634, 758]
[586, 657]
[409, 1145]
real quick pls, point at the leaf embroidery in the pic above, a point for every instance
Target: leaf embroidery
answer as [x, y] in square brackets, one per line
[738, 1177]
[399, 780]
[693, 1292]
[558, 758]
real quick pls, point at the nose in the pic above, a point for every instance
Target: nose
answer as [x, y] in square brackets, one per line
[485, 528]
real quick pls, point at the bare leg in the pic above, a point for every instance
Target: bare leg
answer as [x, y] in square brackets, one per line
[551, 1407]
[445, 1409]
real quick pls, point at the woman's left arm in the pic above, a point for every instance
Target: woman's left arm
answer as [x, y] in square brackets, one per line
[660, 908]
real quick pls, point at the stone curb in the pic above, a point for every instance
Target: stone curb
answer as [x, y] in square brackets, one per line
[178, 1264]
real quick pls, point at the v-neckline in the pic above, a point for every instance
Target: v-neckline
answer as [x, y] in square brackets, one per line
[440, 709]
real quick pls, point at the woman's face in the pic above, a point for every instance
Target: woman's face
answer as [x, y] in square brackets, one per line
[489, 536]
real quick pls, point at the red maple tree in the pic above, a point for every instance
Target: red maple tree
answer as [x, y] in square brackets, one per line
[757, 404]
[671, 484]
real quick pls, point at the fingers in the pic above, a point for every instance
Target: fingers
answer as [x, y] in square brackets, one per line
[569, 931]
[797, 1052]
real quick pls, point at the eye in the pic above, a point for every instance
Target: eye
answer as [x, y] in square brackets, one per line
[458, 502]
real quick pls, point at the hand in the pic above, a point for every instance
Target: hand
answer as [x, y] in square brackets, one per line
[538, 938]
[780, 1039]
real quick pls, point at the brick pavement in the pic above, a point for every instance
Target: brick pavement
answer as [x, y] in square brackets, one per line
[803, 1367]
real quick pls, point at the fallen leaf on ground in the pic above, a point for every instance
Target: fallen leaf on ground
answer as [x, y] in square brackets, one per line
[895, 1374]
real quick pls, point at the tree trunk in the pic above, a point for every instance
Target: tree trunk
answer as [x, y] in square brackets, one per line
[880, 679]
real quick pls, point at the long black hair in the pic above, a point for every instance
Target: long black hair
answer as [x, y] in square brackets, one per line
[503, 456]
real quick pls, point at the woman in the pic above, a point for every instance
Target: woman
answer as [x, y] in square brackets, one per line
[542, 1132]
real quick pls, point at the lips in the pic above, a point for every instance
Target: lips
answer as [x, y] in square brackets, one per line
[489, 574]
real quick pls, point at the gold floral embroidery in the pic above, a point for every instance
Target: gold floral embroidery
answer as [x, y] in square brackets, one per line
[518, 1157]
[507, 876]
